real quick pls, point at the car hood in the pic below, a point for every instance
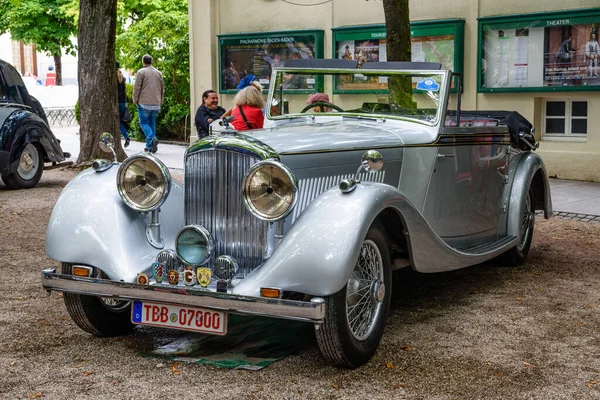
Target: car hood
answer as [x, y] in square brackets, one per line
[301, 137]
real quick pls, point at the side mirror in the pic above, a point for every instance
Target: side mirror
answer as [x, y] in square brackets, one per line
[107, 144]
[372, 161]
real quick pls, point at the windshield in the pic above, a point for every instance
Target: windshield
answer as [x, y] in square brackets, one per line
[408, 95]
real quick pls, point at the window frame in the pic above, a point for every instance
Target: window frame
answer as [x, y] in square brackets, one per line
[568, 117]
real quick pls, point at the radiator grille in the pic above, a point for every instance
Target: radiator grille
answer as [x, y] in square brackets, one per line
[213, 199]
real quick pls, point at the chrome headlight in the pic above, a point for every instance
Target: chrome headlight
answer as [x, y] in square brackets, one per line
[194, 245]
[270, 190]
[143, 182]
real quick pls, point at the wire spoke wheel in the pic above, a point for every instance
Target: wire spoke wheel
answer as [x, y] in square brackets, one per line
[362, 302]
[355, 315]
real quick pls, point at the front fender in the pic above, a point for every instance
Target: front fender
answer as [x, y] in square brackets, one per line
[318, 253]
[91, 225]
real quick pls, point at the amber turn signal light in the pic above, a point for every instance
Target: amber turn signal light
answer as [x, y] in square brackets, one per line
[82, 271]
[270, 292]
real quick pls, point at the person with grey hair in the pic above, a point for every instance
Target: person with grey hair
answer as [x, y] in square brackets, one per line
[248, 107]
[148, 95]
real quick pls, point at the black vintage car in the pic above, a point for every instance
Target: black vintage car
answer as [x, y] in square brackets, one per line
[26, 141]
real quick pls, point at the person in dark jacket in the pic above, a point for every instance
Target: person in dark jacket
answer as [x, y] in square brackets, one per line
[207, 112]
[122, 96]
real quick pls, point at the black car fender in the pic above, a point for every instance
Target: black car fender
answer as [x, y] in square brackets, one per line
[20, 127]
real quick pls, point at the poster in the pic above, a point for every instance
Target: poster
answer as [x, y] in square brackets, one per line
[241, 56]
[428, 48]
[567, 62]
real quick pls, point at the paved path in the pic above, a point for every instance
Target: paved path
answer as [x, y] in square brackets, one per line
[570, 199]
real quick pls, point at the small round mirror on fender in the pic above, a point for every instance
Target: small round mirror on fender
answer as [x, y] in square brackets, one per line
[107, 142]
[372, 161]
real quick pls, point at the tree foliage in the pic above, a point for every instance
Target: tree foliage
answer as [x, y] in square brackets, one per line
[159, 28]
[44, 23]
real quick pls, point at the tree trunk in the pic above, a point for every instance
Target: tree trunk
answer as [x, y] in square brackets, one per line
[397, 27]
[58, 69]
[97, 77]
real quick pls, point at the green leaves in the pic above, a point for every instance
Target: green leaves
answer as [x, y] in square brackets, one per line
[159, 28]
[41, 22]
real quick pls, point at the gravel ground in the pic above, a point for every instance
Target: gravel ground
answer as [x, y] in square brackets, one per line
[485, 332]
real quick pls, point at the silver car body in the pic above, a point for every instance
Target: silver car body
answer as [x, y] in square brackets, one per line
[453, 196]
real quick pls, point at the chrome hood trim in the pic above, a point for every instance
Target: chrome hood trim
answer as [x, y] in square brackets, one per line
[237, 142]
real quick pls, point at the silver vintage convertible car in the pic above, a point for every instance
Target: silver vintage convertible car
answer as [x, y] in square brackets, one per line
[305, 219]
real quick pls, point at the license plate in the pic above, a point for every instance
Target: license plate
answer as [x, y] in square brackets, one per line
[185, 318]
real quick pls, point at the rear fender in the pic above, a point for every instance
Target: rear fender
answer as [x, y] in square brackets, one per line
[529, 172]
[91, 225]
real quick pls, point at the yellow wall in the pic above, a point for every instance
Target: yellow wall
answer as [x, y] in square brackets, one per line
[208, 18]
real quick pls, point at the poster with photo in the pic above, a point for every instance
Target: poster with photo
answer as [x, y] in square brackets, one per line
[571, 58]
[430, 42]
[241, 56]
[557, 53]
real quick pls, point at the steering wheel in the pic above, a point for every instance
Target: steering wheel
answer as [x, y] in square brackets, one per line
[321, 105]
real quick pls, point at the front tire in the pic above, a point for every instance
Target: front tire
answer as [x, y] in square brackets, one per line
[518, 254]
[96, 315]
[355, 316]
[29, 172]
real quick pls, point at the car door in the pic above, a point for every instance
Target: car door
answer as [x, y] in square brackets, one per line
[464, 197]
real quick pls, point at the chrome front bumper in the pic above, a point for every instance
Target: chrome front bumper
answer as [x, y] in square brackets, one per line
[307, 311]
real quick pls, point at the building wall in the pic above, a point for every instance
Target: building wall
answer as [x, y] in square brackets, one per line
[209, 18]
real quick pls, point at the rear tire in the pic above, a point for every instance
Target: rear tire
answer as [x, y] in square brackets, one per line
[29, 172]
[355, 316]
[518, 254]
[98, 316]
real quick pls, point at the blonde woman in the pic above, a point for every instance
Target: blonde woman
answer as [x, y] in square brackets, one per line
[248, 109]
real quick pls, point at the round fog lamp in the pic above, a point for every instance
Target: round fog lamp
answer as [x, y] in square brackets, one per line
[194, 245]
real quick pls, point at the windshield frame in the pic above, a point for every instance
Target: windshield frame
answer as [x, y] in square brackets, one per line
[443, 92]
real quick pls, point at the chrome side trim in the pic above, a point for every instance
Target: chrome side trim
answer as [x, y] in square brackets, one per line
[312, 188]
[306, 311]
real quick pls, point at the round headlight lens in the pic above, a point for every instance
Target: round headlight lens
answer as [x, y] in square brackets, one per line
[270, 190]
[144, 182]
[194, 245]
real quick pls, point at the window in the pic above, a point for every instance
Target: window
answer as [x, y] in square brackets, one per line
[565, 118]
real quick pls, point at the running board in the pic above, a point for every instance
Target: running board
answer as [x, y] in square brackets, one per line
[489, 246]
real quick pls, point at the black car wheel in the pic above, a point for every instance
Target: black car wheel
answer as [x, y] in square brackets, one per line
[355, 316]
[29, 172]
[518, 254]
[97, 315]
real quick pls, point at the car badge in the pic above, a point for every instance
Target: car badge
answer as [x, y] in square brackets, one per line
[189, 277]
[173, 277]
[142, 278]
[158, 271]
[204, 276]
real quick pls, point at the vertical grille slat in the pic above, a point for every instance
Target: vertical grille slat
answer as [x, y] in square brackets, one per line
[213, 199]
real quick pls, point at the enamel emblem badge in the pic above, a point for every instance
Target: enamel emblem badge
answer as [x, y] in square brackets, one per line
[158, 271]
[142, 278]
[173, 277]
[189, 277]
[204, 276]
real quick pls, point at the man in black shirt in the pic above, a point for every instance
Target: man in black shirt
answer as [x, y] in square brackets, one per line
[207, 112]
